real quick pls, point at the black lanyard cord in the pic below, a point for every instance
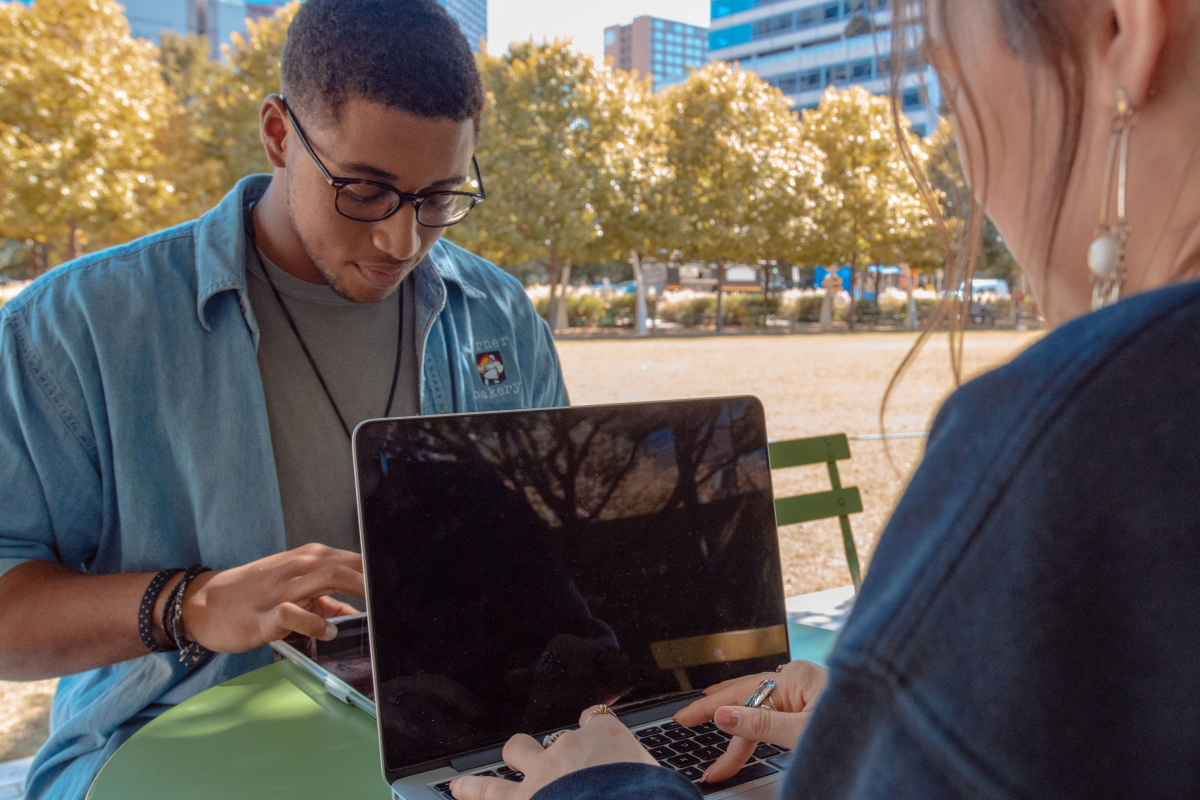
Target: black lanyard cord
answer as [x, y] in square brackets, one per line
[387, 412]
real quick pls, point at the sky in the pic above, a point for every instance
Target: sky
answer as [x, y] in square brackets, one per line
[582, 20]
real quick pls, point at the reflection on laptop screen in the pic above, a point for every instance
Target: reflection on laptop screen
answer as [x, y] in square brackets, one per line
[522, 566]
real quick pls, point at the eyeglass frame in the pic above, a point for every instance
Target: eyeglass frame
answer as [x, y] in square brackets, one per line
[417, 200]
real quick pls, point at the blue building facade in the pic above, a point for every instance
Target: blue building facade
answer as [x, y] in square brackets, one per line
[472, 16]
[806, 46]
[218, 19]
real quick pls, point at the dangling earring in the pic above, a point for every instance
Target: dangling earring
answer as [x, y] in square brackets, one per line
[1106, 256]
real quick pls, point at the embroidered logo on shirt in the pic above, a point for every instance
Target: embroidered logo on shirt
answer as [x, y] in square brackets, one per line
[490, 367]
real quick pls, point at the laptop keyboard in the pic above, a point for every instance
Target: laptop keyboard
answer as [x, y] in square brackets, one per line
[688, 751]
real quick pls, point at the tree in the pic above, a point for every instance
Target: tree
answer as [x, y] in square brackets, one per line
[870, 210]
[946, 175]
[541, 155]
[197, 168]
[632, 204]
[743, 180]
[81, 114]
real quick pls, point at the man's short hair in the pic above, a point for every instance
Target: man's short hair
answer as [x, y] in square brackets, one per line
[405, 54]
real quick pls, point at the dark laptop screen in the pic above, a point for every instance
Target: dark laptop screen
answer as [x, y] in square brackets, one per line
[524, 565]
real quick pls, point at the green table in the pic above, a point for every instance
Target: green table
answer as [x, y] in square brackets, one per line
[275, 732]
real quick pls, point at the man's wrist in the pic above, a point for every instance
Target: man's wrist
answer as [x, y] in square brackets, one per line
[160, 605]
[195, 606]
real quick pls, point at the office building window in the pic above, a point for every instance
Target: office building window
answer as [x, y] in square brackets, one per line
[912, 99]
[836, 75]
[773, 25]
[810, 79]
[860, 69]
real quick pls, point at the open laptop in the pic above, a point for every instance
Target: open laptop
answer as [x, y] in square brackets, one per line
[522, 566]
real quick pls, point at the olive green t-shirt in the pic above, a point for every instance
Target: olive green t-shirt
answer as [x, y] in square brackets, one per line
[354, 347]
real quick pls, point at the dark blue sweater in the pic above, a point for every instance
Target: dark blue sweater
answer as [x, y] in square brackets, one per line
[1031, 623]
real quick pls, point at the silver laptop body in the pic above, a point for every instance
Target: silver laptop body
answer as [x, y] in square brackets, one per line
[522, 566]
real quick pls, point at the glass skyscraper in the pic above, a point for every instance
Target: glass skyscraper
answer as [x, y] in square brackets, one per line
[217, 19]
[805, 46]
[472, 16]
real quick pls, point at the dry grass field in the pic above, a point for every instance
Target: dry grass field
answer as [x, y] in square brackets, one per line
[810, 384]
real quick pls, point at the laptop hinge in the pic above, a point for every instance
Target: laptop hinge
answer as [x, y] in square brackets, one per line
[480, 758]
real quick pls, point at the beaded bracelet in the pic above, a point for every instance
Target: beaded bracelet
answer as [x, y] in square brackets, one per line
[190, 652]
[146, 612]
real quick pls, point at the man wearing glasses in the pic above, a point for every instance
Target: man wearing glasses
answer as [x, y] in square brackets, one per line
[175, 414]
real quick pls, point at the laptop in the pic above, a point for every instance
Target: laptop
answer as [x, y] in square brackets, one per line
[524, 565]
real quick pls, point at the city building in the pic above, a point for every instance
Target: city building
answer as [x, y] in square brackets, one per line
[472, 16]
[661, 48]
[805, 46]
[218, 19]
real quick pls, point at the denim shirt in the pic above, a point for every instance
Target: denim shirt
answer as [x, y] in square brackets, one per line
[1030, 626]
[134, 435]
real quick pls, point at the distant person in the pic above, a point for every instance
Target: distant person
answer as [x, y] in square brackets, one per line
[1030, 626]
[186, 400]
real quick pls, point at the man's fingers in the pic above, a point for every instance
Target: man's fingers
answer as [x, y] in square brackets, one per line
[288, 617]
[332, 579]
[731, 761]
[327, 607]
[310, 557]
[474, 787]
[521, 751]
[763, 725]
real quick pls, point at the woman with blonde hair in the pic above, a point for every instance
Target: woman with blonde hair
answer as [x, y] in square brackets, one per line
[1031, 623]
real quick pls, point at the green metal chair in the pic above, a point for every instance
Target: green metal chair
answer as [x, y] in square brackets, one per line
[840, 502]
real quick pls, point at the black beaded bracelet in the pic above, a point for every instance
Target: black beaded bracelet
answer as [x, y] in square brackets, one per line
[146, 612]
[190, 652]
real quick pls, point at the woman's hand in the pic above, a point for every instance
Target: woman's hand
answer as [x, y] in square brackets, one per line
[797, 689]
[601, 739]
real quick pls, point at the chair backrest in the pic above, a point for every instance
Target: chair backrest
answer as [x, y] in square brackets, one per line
[715, 648]
[839, 502]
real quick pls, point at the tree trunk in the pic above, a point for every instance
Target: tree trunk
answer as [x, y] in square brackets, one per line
[74, 248]
[39, 262]
[553, 277]
[766, 294]
[561, 320]
[639, 279]
[720, 296]
[912, 301]
[853, 290]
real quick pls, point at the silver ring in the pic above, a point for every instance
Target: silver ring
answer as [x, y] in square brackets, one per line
[761, 695]
[551, 738]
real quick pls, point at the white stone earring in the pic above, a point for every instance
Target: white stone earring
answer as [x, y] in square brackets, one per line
[1106, 256]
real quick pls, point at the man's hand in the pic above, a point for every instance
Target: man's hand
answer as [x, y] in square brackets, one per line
[601, 739]
[239, 609]
[797, 689]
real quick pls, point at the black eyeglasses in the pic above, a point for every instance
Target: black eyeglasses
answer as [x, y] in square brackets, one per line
[372, 201]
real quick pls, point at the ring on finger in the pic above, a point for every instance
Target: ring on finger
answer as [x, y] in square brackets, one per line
[552, 738]
[762, 696]
[600, 709]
